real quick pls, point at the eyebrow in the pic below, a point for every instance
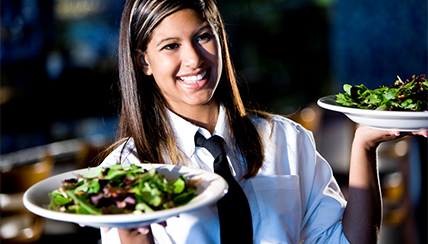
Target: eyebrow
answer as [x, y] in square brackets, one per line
[166, 40]
[207, 26]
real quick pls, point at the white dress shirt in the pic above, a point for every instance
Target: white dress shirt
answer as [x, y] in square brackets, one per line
[293, 198]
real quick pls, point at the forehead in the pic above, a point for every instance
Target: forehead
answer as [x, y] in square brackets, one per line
[185, 21]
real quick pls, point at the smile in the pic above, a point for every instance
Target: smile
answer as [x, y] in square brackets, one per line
[194, 78]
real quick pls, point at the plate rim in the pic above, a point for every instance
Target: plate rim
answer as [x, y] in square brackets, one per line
[118, 219]
[327, 103]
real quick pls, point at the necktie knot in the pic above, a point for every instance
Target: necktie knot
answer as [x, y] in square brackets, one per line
[214, 144]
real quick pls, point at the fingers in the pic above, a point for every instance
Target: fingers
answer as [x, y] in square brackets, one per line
[423, 133]
[144, 230]
[142, 234]
[139, 235]
[370, 138]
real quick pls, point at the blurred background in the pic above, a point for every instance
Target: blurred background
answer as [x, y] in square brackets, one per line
[58, 96]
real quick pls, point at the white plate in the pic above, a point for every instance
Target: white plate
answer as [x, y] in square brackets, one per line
[383, 120]
[209, 190]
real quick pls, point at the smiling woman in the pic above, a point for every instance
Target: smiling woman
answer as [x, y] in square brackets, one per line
[146, 65]
[178, 86]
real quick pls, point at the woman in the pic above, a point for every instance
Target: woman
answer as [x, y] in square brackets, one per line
[177, 79]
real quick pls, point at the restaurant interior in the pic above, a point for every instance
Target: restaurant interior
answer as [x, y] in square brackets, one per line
[59, 99]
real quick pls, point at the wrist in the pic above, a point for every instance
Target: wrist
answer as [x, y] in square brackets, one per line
[362, 141]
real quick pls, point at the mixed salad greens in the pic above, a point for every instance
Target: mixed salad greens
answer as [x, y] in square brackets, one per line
[120, 189]
[410, 95]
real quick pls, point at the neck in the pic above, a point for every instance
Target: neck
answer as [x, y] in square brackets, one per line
[204, 116]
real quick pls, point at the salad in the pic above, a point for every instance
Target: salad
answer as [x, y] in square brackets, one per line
[120, 190]
[410, 95]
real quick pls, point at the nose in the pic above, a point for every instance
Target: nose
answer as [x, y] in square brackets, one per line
[192, 56]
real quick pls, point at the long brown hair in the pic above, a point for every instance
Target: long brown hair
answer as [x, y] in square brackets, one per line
[143, 110]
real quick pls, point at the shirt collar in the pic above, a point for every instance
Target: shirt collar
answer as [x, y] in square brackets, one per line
[185, 131]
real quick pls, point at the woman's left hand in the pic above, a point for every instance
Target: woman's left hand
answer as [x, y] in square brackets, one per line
[141, 235]
[371, 138]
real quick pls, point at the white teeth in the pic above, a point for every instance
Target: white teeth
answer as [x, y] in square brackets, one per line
[193, 79]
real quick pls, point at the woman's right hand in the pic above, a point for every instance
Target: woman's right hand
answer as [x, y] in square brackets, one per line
[141, 235]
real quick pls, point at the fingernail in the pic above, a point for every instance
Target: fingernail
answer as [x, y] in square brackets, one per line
[144, 230]
[397, 133]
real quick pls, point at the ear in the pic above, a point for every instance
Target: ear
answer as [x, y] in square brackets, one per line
[140, 57]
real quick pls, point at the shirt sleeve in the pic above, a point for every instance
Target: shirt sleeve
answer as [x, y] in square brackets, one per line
[322, 201]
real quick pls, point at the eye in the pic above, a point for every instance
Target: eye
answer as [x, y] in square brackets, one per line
[205, 37]
[171, 46]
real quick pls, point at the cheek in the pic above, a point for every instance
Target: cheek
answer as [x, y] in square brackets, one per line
[214, 52]
[164, 68]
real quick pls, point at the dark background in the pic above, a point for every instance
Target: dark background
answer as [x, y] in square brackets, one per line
[58, 58]
[59, 66]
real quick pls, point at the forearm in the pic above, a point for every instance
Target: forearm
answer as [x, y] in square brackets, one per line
[363, 214]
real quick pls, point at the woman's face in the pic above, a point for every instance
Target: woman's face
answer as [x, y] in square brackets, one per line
[184, 58]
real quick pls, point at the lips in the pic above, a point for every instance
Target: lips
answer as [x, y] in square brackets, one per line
[192, 79]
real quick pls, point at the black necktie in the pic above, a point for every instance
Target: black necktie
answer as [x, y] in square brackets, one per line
[234, 211]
